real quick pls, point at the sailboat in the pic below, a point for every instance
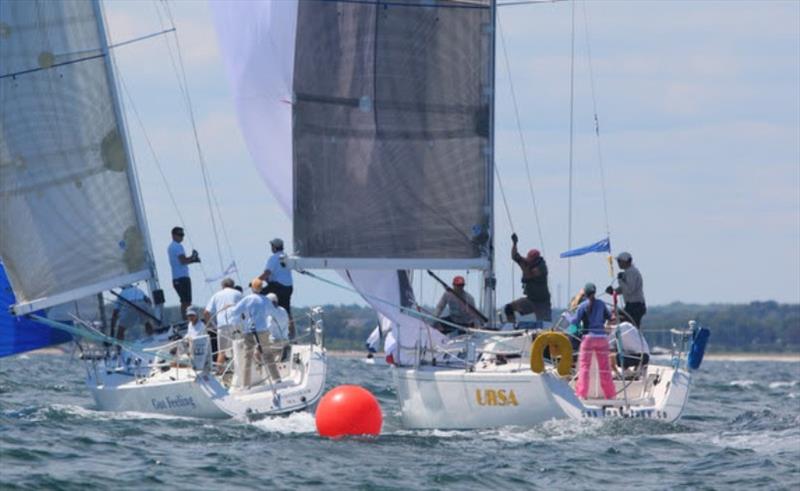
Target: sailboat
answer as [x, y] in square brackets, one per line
[373, 122]
[73, 227]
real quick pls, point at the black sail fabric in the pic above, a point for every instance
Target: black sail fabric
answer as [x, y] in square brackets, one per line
[391, 129]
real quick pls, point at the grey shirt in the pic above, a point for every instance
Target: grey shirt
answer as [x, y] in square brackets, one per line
[631, 285]
[459, 313]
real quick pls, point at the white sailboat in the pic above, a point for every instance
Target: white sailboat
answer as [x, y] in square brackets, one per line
[374, 123]
[73, 225]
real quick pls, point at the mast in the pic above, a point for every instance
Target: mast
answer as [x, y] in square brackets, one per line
[133, 180]
[489, 280]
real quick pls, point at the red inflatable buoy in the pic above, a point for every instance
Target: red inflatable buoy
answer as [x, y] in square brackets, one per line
[348, 410]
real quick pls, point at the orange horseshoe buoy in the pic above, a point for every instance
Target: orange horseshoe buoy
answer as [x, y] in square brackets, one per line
[559, 345]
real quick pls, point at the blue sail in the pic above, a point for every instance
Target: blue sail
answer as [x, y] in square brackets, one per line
[18, 334]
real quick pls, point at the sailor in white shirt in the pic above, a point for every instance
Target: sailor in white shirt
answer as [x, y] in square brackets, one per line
[196, 327]
[277, 319]
[221, 306]
[635, 349]
[129, 310]
[253, 310]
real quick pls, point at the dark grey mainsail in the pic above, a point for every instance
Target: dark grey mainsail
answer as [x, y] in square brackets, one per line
[70, 222]
[391, 129]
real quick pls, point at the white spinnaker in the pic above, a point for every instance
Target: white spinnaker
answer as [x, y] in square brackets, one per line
[257, 40]
[68, 210]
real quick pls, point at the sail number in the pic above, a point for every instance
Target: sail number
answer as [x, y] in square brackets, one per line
[496, 397]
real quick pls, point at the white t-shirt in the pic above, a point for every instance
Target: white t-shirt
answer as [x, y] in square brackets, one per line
[174, 251]
[227, 297]
[278, 321]
[633, 340]
[254, 309]
[196, 329]
[277, 271]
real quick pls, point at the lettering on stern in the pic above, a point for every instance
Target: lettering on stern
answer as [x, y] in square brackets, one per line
[173, 402]
[496, 397]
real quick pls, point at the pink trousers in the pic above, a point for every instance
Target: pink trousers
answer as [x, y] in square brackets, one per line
[594, 347]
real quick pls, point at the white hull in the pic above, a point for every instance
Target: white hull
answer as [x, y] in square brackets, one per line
[186, 392]
[453, 398]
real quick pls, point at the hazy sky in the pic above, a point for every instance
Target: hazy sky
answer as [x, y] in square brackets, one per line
[699, 107]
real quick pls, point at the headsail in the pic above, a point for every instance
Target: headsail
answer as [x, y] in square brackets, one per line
[69, 213]
[18, 335]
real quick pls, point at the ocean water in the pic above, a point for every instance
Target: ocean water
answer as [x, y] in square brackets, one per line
[741, 431]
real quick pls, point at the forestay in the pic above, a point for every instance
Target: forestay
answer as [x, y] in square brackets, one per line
[68, 206]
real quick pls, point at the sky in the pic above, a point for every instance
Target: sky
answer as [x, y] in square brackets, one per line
[699, 111]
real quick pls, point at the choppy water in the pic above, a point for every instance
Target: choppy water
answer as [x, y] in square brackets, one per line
[741, 430]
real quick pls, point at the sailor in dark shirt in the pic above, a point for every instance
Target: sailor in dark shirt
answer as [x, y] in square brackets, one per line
[534, 285]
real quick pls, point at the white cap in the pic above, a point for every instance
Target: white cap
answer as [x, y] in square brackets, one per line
[272, 297]
[191, 311]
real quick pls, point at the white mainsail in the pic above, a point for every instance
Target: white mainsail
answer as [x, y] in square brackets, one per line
[70, 215]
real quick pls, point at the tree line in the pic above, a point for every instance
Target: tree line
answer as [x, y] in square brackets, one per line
[754, 327]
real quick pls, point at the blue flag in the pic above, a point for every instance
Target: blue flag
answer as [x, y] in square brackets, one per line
[600, 246]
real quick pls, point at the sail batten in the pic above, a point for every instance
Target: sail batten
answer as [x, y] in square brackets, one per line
[69, 216]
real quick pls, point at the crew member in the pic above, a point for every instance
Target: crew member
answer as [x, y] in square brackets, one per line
[129, 310]
[195, 327]
[534, 285]
[179, 264]
[220, 305]
[253, 309]
[460, 304]
[278, 279]
[593, 313]
[277, 319]
[635, 350]
[631, 287]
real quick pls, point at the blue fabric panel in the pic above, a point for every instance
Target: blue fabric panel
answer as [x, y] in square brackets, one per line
[18, 334]
[599, 246]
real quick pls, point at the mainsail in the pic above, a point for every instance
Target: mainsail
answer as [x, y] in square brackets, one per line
[70, 215]
[369, 121]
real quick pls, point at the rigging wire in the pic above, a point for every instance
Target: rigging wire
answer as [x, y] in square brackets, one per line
[156, 160]
[180, 74]
[596, 121]
[571, 140]
[521, 137]
[510, 221]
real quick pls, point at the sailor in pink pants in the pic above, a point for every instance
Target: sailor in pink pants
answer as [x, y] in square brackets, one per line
[594, 370]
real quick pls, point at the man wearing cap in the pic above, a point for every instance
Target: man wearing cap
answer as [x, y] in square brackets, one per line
[458, 302]
[278, 279]
[220, 305]
[179, 264]
[196, 327]
[277, 319]
[253, 310]
[631, 287]
[534, 285]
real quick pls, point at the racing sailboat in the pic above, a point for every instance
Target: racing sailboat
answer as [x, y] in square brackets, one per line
[73, 226]
[373, 122]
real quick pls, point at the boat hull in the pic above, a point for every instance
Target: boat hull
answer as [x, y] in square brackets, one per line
[183, 392]
[433, 397]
